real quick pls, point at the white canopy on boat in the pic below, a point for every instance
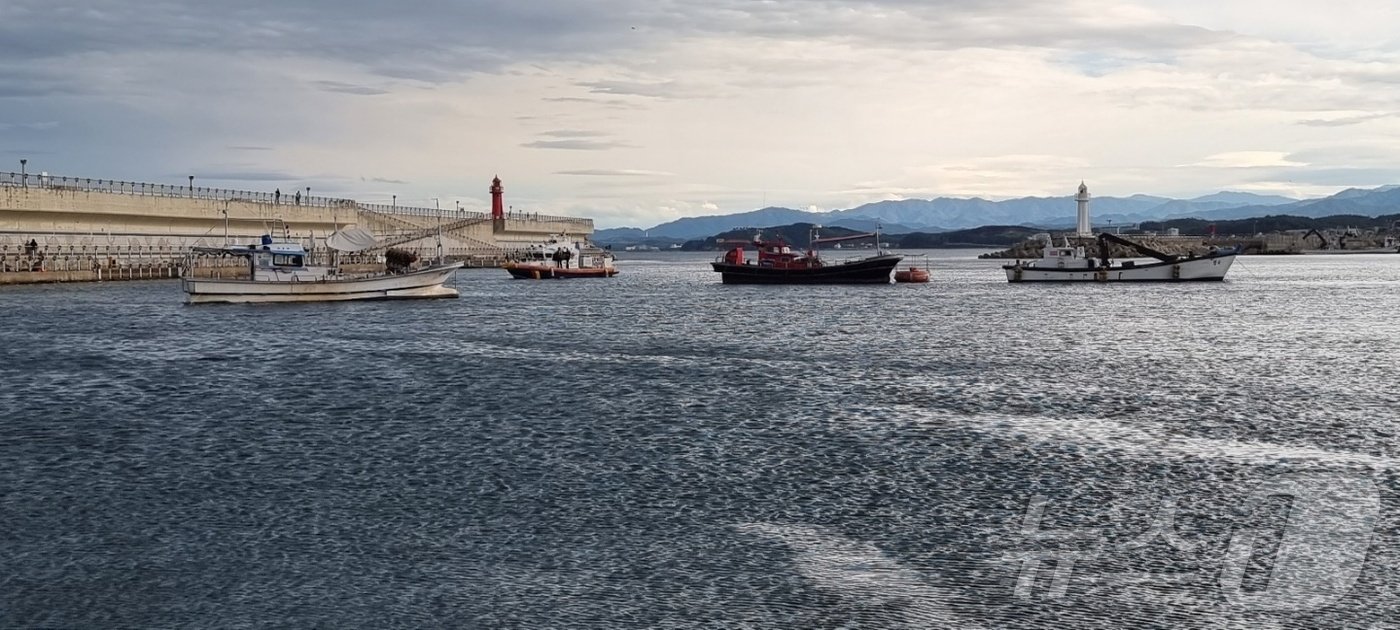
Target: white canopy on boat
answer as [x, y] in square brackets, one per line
[351, 239]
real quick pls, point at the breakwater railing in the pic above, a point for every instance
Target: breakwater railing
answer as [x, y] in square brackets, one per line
[86, 263]
[137, 262]
[302, 197]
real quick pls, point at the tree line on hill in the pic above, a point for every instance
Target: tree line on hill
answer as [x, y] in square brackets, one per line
[797, 234]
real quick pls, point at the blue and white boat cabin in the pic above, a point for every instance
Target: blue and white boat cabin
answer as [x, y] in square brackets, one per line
[270, 261]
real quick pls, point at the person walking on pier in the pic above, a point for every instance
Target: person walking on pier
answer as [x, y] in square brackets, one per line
[298, 197]
[277, 196]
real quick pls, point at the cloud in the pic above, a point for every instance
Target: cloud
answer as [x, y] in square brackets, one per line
[1345, 120]
[660, 89]
[1248, 159]
[571, 133]
[608, 103]
[22, 78]
[246, 147]
[576, 145]
[245, 176]
[604, 172]
[34, 126]
[347, 88]
[25, 152]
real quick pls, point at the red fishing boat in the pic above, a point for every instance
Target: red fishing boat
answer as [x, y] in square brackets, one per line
[778, 263]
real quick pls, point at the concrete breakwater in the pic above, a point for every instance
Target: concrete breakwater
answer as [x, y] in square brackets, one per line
[67, 229]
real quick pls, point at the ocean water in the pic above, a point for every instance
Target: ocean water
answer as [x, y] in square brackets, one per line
[662, 451]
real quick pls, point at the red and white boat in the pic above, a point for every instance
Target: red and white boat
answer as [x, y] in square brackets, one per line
[542, 271]
[556, 260]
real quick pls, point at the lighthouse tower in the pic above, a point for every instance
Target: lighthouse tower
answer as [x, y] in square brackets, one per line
[498, 208]
[1083, 229]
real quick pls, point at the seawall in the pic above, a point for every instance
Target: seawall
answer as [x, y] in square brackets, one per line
[67, 229]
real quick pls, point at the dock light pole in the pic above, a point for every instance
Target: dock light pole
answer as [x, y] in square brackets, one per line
[308, 195]
[23, 175]
[396, 203]
[191, 185]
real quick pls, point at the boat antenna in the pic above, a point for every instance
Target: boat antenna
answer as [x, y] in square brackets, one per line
[878, 251]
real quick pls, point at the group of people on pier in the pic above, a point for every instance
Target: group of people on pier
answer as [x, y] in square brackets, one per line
[277, 197]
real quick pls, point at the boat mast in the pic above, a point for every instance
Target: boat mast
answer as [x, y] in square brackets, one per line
[439, 231]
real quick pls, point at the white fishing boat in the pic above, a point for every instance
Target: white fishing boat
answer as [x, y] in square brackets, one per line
[279, 272]
[1069, 264]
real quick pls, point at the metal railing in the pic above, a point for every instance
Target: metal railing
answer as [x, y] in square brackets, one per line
[293, 198]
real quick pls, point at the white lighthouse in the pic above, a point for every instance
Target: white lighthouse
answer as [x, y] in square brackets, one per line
[1083, 229]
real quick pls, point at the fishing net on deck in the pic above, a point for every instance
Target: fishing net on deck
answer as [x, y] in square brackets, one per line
[351, 239]
[399, 260]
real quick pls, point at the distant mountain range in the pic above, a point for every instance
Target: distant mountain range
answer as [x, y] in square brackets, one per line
[948, 214]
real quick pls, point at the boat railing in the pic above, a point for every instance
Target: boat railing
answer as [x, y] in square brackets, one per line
[844, 260]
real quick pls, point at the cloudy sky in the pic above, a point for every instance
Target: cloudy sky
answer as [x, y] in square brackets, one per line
[635, 112]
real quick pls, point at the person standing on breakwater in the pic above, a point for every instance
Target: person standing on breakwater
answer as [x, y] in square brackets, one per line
[298, 197]
[277, 196]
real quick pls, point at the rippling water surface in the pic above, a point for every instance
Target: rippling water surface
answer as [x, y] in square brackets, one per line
[663, 451]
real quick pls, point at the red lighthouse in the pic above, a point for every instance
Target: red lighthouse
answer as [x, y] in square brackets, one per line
[498, 208]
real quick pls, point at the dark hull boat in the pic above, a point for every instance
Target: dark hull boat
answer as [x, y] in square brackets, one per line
[778, 263]
[875, 270]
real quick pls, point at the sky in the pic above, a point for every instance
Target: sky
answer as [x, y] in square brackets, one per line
[637, 112]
